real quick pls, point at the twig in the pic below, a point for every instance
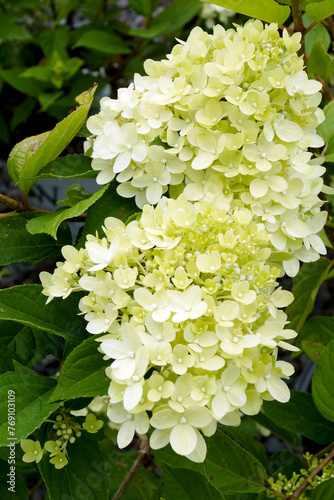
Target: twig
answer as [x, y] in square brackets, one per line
[23, 206]
[277, 493]
[297, 16]
[289, 30]
[312, 475]
[15, 205]
[306, 30]
[143, 452]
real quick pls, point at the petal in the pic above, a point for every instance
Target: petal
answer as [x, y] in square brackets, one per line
[159, 438]
[165, 419]
[278, 389]
[202, 161]
[114, 348]
[199, 453]
[198, 416]
[183, 439]
[236, 397]
[220, 405]
[123, 368]
[132, 396]
[258, 188]
[142, 422]
[125, 434]
[122, 161]
[154, 193]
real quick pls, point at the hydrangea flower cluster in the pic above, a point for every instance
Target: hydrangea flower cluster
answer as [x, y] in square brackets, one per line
[188, 301]
[233, 109]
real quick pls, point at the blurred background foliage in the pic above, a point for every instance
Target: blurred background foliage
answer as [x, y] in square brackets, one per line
[52, 50]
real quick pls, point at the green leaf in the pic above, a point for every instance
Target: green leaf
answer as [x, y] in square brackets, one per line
[320, 10]
[66, 8]
[186, 484]
[102, 41]
[47, 99]
[266, 10]
[25, 304]
[278, 431]
[305, 288]
[49, 223]
[250, 444]
[326, 128]
[148, 32]
[329, 158]
[145, 484]
[26, 345]
[29, 156]
[177, 14]
[32, 406]
[27, 86]
[109, 205]
[320, 62]
[232, 469]
[15, 490]
[315, 335]
[300, 415]
[168, 456]
[323, 383]
[313, 349]
[11, 30]
[74, 194]
[38, 72]
[22, 112]
[84, 477]
[324, 491]
[17, 245]
[284, 462]
[83, 373]
[143, 7]
[68, 167]
[318, 32]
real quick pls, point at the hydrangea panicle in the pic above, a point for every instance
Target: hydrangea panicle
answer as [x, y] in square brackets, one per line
[187, 299]
[233, 107]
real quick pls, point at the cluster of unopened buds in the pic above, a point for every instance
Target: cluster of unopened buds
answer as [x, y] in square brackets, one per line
[185, 299]
[66, 431]
[287, 486]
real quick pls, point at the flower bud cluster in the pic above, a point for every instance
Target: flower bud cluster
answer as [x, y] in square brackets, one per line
[233, 109]
[188, 301]
[288, 486]
[67, 431]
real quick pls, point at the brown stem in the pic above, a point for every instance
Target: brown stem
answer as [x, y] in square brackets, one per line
[313, 474]
[310, 27]
[13, 204]
[23, 206]
[297, 16]
[277, 493]
[289, 30]
[143, 452]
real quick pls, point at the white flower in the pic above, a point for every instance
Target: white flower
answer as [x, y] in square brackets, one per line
[186, 305]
